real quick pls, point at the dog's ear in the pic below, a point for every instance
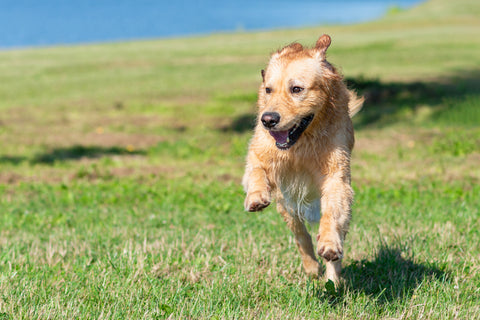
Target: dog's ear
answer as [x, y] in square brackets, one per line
[322, 45]
[263, 75]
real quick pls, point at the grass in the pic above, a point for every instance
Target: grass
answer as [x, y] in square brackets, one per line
[121, 164]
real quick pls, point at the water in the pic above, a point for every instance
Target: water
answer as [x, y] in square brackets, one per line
[26, 23]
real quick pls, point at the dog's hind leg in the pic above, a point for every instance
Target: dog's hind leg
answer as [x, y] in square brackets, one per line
[337, 197]
[303, 241]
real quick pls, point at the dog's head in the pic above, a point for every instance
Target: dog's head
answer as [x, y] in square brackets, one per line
[294, 90]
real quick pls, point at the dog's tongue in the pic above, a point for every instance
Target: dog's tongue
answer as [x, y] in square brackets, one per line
[280, 136]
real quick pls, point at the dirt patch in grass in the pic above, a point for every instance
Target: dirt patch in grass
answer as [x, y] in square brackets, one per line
[10, 178]
[385, 141]
[389, 157]
[60, 128]
[105, 139]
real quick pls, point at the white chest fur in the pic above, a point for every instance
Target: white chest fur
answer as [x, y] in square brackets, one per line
[301, 196]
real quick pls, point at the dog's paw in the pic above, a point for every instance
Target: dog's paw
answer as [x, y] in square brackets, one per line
[330, 250]
[256, 201]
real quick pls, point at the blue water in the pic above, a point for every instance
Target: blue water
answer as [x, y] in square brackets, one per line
[26, 23]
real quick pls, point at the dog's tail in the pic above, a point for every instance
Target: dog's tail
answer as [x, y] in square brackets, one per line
[355, 103]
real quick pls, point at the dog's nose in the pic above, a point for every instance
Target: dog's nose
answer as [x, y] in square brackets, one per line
[270, 119]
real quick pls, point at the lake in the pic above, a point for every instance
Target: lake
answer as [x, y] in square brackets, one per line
[27, 23]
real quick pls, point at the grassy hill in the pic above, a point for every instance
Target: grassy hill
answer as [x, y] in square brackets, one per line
[121, 163]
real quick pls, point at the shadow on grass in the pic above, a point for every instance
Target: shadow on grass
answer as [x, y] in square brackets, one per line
[79, 152]
[389, 102]
[240, 124]
[390, 276]
[16, 160]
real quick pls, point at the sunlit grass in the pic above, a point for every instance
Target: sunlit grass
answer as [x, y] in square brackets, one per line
[121, 164]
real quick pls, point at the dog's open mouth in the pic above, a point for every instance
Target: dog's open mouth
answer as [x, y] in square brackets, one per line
[286, 139]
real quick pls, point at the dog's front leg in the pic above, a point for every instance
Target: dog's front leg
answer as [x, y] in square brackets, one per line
[337, 197]
[257, 187]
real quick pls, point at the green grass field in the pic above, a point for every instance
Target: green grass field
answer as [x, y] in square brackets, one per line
[121, 163]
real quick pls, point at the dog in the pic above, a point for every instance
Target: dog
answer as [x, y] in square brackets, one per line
[300, 151]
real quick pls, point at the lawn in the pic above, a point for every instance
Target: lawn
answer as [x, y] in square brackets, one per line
[121, 163]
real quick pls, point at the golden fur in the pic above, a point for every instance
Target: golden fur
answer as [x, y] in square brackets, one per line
[299, 83]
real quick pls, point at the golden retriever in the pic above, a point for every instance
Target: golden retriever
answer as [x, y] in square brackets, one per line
[300, 151]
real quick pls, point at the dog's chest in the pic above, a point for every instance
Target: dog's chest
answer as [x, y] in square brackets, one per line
[301, 195]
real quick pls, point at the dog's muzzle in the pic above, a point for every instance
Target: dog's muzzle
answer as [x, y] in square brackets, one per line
[286, 139]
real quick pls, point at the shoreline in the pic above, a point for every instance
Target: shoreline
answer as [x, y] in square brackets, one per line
[79, 39]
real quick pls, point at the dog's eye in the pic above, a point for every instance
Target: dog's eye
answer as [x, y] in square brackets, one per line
[296, 89]
[268, 90]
